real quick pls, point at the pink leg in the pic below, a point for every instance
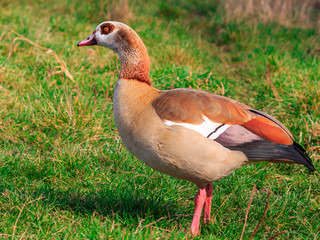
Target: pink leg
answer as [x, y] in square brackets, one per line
[207, 203]
[199, 201]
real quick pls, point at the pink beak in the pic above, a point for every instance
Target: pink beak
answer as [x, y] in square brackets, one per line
[91, 40]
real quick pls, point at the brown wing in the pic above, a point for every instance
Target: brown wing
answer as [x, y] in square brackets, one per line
[190, 106]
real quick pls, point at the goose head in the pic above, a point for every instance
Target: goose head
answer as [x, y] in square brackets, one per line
[124, 41]
[108, 34]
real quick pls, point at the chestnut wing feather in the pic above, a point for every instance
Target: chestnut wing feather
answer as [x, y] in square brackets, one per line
[192, 106]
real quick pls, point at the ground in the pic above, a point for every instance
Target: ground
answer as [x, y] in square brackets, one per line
[64, 170]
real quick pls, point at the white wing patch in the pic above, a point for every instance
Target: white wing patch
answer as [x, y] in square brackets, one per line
[207, 128]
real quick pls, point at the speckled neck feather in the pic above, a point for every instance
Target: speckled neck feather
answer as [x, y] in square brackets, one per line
[134, 58]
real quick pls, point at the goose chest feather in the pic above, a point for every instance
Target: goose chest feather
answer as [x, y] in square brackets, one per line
[163, 147]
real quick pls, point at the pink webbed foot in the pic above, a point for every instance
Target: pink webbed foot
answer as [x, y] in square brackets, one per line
[207, 204]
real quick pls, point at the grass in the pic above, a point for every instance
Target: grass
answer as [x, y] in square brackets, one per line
[64, 171]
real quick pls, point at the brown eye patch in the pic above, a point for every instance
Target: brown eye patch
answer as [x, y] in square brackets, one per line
[106, 28]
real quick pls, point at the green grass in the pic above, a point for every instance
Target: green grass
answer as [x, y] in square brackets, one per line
[64, 171]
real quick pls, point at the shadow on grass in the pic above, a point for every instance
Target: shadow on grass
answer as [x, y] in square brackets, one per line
[113, 204]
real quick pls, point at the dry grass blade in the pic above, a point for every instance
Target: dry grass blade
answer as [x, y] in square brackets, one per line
[15, 224]
[216, 211]
[274, 89]
[263, 216]
[150, 224]
[223, 60]
[5, 235]
[277, 234]
[21, 210]
[2, 35]
[22, 236]
[221, 206]
[2, 89]
[140, 222]
[247, 213]
[62, 64]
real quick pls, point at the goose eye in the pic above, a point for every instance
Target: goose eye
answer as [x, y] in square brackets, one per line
[105, 28]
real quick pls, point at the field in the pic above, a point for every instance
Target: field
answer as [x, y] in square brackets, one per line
[63, 168]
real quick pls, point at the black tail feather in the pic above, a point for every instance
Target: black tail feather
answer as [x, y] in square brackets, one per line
[263, 150]
[308, 162]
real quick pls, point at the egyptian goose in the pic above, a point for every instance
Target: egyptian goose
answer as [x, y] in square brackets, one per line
[188, 134]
